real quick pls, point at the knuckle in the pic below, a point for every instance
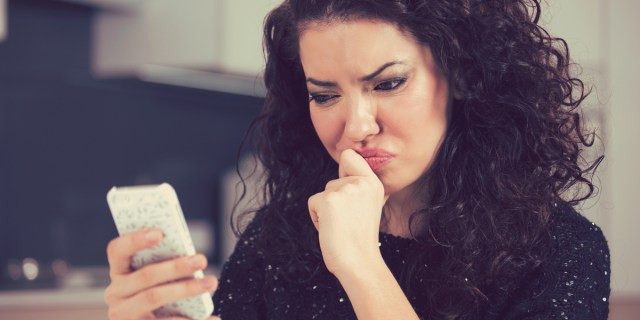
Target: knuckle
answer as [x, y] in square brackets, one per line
[138, 239]
[350, 187]
[379, 187]
[109, 295]
[183, 266]
[332, 198]
[146, 275]
[312, 200]
[111, 247]
[330, 184]
[215, 284]
[194, 287]
[189, 288]
[344, 154]
[114, 314]
[150, 316]
[152, 297]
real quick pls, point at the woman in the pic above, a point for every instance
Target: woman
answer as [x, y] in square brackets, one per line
[416, 155]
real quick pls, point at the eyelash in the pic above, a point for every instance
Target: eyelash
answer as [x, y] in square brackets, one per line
[325, 98]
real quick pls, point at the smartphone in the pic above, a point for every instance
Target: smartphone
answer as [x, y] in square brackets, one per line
[156, 206]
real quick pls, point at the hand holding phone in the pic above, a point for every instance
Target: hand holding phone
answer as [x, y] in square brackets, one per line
[156, 207]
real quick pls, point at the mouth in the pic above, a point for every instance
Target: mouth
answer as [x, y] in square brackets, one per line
[376, 158]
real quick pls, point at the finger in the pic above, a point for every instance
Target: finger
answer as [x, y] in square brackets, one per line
[215, 318]
[334, 185]
[159, 273]
[353, 164]
[149, 300]
[121, 249]
[313, 214]
[120, 313]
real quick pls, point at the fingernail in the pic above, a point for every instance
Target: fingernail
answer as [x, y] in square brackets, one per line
[153, 235]
[197, 262]
[208, 282]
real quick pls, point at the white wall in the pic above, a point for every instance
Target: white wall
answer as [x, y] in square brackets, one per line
[624, 147]
[216, 35]
[206, 44]
[181, 33]
[582, 24]
[242, 36]
[3, 20]
[602, 36]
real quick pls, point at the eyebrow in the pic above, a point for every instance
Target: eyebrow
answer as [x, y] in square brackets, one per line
[362, 79]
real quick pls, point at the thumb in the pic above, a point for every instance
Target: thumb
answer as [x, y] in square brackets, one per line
[353, 164]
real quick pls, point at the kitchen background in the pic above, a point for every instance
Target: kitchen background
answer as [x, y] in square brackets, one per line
[96, 93]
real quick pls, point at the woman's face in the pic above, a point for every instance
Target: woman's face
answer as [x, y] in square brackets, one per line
[374, 89]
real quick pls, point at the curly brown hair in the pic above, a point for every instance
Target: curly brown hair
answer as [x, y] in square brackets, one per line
[511, 152]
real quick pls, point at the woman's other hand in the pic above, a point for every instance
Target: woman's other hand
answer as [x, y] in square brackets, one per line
[135, 294]
[347, 215]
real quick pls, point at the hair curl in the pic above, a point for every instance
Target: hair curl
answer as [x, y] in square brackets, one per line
[511, 151]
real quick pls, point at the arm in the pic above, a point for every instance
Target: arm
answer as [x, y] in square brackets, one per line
[347, 216]
[375, 293]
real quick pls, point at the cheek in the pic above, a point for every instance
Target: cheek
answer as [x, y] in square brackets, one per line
[432, 131]
[421, 125]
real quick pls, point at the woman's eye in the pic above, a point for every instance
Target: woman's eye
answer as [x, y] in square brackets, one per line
[322, 98]
[390, 84]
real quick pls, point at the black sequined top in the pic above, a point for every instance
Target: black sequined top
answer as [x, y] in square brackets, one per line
[572, 284]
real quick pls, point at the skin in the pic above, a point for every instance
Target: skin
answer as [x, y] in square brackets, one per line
[371, 87]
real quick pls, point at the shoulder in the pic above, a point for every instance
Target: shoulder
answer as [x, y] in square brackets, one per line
[574, 280]
[242, 277]
[247, 243]
[575, 238]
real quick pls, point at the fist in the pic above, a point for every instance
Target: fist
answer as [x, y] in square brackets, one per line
[347, 214]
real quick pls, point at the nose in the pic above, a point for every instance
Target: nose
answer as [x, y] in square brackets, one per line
[361, 120]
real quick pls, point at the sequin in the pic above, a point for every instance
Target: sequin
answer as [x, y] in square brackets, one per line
[578, 275]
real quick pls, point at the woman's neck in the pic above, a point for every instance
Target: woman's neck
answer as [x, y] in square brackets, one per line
[397, 212]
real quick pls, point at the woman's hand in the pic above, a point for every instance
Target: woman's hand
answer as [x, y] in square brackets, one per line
[347, 215]
[135, 294]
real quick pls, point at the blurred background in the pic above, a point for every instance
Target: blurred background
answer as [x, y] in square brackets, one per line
[97, 93]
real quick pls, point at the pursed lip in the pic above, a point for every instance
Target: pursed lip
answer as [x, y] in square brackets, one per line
[376, 158]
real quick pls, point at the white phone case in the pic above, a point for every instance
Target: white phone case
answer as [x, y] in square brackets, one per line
[138, 207]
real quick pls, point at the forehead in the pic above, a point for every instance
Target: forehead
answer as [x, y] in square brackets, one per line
[356, 46]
